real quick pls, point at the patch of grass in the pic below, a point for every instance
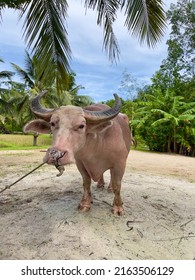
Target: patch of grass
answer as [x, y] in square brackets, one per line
[23, 142]
[4, 145]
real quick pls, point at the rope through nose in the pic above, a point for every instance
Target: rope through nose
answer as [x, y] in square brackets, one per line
[55, 155]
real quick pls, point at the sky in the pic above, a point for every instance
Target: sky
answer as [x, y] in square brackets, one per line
[99, 77]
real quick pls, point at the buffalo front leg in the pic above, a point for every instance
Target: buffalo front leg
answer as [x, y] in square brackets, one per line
[116, 187]
[85, 203]
[86, 200]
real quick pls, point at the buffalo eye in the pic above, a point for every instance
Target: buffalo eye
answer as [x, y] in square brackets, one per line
[81, 126]
[52, 124]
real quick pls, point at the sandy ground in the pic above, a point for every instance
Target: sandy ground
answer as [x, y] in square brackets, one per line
[39, 217]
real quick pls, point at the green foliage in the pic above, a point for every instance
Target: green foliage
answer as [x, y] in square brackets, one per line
[14, 107]
[160, 117]
[155, 137]
[182, 38]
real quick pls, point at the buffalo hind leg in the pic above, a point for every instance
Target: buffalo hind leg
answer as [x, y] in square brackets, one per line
[100, 183]
[110, 189]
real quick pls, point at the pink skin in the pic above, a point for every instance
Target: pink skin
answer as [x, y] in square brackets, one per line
[94, 147]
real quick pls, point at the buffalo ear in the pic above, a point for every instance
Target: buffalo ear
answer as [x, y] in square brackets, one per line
[39, 126]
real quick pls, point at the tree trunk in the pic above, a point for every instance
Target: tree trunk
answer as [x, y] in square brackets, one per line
[174, 140]
[169, 145]
[181, 149]
[193, 151]
[35, 137]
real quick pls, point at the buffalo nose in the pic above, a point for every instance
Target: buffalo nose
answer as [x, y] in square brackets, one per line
[55, 154]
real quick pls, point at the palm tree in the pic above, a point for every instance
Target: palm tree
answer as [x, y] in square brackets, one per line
[67, 97]
[35, 82]
[46, 34]
[30, 74]
[5, 74]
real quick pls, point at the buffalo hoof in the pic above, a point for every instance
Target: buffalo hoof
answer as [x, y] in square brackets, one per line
[84, 207]
[118, 210]
[100, 185]
[110, 190]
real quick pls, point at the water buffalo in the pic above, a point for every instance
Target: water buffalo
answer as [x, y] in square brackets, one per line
[97, 138]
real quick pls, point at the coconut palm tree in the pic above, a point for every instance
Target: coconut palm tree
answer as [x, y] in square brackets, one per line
[36, 82]
[30, 74]
[47, 36]
[5, 74]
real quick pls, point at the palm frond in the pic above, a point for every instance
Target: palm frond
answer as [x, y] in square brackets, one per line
[1, 9]
[166, 115]
[3, 102]
[23, 103]
[106, 16]
[82, 100]
[188, 106]
[45, 33]
[160, 121]
[187, 117]
[145, 19]
[6, 74]
[23, 75]
[3, 90]
[29, 67]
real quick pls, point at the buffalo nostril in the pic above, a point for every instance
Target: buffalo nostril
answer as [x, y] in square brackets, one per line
[62, 154]
[54, 154]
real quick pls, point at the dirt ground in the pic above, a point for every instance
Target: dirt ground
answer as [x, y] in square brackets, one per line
[39, 217]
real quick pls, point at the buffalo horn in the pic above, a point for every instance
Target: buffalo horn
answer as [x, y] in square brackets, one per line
[104, 115]
[37, 108]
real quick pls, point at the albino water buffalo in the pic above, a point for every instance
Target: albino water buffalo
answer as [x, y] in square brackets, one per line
[97, 138]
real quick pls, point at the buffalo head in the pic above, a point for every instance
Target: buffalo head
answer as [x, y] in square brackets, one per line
[71, 126]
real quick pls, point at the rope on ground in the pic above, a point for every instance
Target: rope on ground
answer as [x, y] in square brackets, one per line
[9, 186]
